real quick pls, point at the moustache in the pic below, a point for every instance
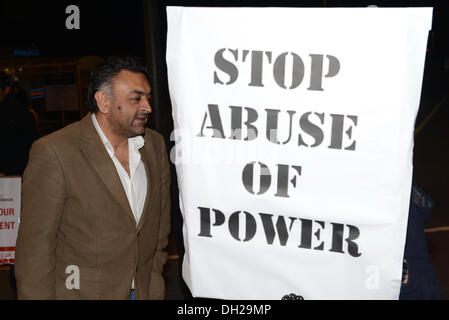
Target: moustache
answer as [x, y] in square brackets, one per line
[142, 115]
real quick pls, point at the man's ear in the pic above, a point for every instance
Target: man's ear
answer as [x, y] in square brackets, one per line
[103, 101]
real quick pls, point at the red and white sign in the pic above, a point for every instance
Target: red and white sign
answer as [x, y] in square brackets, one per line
[10, 195]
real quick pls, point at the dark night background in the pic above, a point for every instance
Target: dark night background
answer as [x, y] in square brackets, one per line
[117, 26]
[139, 28]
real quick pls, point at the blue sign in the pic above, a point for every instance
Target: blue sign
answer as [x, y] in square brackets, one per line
[27, 53]
[36, 93]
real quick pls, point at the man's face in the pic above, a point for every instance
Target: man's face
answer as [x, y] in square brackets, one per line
[131, 104]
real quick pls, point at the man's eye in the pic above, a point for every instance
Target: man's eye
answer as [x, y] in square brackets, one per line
[136, 99]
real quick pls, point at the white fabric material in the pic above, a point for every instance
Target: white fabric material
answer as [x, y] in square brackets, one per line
[334, 226]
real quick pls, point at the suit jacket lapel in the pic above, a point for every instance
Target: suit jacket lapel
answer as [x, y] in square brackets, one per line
[148, 161]
[96, 153]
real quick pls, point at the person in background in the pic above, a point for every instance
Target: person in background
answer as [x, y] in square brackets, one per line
[420, 280]
[17, 130]
[95, 199]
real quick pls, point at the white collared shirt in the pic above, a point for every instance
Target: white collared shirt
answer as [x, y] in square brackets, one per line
[135, 184]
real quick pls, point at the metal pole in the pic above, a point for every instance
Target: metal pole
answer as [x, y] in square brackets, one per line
[80, 93]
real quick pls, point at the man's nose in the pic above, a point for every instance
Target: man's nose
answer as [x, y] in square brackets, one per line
[146, 106]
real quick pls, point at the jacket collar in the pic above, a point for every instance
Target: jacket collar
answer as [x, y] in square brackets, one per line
[97, 155]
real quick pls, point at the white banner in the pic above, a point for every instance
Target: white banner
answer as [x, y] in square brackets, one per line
[10, 196]
[294, 144]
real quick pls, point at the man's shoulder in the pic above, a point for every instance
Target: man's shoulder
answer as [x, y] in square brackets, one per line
[62, 136]
[152, 136]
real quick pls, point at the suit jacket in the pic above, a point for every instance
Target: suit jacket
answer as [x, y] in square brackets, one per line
[75, 213]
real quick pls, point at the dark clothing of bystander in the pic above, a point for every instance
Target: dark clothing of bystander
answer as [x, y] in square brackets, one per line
[422, 282]
[17, 134]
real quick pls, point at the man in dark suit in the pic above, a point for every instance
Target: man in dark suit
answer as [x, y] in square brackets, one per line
[95, 205]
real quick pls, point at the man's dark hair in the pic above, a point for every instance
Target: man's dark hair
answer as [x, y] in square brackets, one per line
[5, 80]
[101, 77]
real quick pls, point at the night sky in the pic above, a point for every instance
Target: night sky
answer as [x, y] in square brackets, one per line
[114, 27]
[106, 27]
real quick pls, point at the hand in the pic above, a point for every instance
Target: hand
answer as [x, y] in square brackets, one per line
[405, 280]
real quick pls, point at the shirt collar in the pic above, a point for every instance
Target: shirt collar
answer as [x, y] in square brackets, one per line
[136, 142]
